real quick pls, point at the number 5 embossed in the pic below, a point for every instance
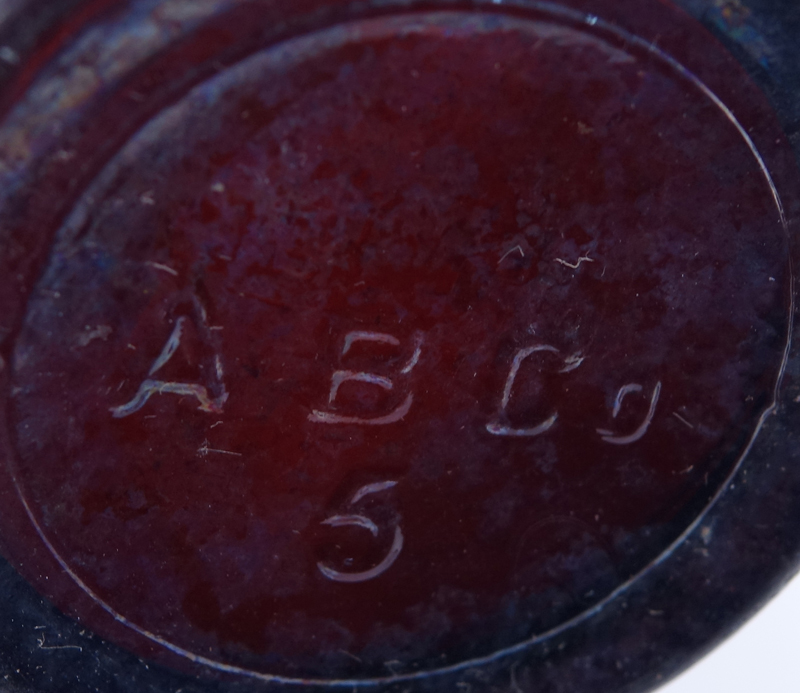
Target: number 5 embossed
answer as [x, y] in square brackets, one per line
[356, 520]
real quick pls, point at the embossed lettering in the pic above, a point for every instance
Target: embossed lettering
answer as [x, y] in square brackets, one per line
[616, 439]
[208, 402]
[383, 382]
[498, 428]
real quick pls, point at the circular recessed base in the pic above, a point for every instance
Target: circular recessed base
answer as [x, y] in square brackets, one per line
[396, 349]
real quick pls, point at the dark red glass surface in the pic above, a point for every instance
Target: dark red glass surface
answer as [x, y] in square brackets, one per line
[399, 344]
